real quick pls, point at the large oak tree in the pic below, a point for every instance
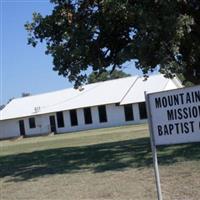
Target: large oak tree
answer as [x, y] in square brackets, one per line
[103, 34]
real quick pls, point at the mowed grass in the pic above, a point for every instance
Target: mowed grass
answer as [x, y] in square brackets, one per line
[113, 163]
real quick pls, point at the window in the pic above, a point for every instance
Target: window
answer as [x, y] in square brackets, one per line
[128, 111]
[87, 115]
[32, 122]
[102, 113]
[73, 117]
[60, 120]
[142, 110]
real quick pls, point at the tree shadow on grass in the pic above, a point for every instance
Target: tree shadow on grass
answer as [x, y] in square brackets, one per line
[96, 158]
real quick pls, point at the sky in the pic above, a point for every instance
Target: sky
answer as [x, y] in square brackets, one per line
[22, 67]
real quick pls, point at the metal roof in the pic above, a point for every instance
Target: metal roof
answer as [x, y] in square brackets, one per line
[152, 84]
[123, 91]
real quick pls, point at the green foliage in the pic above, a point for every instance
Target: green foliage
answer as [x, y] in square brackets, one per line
[185, 82]
[107, 75]
[101, 34]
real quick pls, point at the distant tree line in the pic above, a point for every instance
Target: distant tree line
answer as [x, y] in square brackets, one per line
[107, 75]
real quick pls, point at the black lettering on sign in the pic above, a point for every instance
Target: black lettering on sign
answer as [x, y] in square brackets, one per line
[184, 113]
[197, 96]
[176, 100]
[158, 102]
[160, 130]
[188, 98]
[181, 97]
[164, 102]
[171, 128]
[192, 125]
[178, 128]
[170, 114]
[165, 129]
[185, 127]
[170, 100]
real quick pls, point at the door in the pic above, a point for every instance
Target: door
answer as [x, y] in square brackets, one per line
[22, 128]
[52, 123]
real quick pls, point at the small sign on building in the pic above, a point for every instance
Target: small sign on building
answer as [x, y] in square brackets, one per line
[174, 118]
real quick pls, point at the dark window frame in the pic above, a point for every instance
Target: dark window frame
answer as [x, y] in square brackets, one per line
[128, 112]
[142, 110]
[73, 117]
[60, 119]
[87, 115]
[102, 114]
[32, 123]
[117, 104]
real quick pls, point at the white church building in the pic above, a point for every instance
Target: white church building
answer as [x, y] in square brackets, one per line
[105, 104]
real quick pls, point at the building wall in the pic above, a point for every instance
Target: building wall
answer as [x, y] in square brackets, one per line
[115, 117]
[9, 129]
[42, 125]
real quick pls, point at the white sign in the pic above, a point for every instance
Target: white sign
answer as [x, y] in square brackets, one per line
[175, 115]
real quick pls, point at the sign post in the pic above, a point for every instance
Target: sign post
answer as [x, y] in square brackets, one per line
[173, 118]
[154, 151]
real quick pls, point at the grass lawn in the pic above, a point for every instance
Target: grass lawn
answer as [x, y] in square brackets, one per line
[104, 164]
